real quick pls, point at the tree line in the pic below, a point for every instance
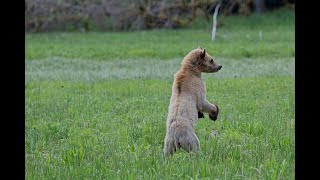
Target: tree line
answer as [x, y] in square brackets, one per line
[128, 15]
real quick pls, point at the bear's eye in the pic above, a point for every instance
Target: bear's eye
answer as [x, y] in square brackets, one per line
[211, 61]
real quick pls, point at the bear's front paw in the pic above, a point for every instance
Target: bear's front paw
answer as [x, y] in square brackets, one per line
[200, 114]
[214, 115]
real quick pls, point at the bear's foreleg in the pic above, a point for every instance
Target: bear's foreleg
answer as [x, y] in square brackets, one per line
[211, 109]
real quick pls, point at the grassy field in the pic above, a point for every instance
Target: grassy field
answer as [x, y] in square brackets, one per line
[271, 35]
[96, 103]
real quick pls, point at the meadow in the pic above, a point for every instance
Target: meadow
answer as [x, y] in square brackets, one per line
[96, 103]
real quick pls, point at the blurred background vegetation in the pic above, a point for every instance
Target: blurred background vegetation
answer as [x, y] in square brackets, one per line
[132, 15]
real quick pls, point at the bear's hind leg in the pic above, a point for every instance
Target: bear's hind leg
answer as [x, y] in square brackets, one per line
[169, 147]
[189, 142]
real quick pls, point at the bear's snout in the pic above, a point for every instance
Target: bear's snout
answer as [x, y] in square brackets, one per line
[219, 67]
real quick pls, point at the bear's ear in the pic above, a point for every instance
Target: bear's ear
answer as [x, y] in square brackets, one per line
[199, 47]
[203, 53]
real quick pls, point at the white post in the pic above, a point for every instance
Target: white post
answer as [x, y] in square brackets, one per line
[214, 27]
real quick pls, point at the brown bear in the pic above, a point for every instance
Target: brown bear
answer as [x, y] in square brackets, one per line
[188, 102]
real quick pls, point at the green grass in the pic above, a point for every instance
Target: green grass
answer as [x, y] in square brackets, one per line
[101, 114]
[238, 37]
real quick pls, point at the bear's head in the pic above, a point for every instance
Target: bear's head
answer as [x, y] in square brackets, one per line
[205, 62]
[198, 60]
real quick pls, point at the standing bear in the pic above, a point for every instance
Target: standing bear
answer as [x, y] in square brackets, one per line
[188, 102]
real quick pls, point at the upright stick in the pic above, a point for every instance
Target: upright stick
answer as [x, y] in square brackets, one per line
[215, 22]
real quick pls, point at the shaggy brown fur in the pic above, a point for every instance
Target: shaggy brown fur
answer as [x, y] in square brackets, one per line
[188, 102]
